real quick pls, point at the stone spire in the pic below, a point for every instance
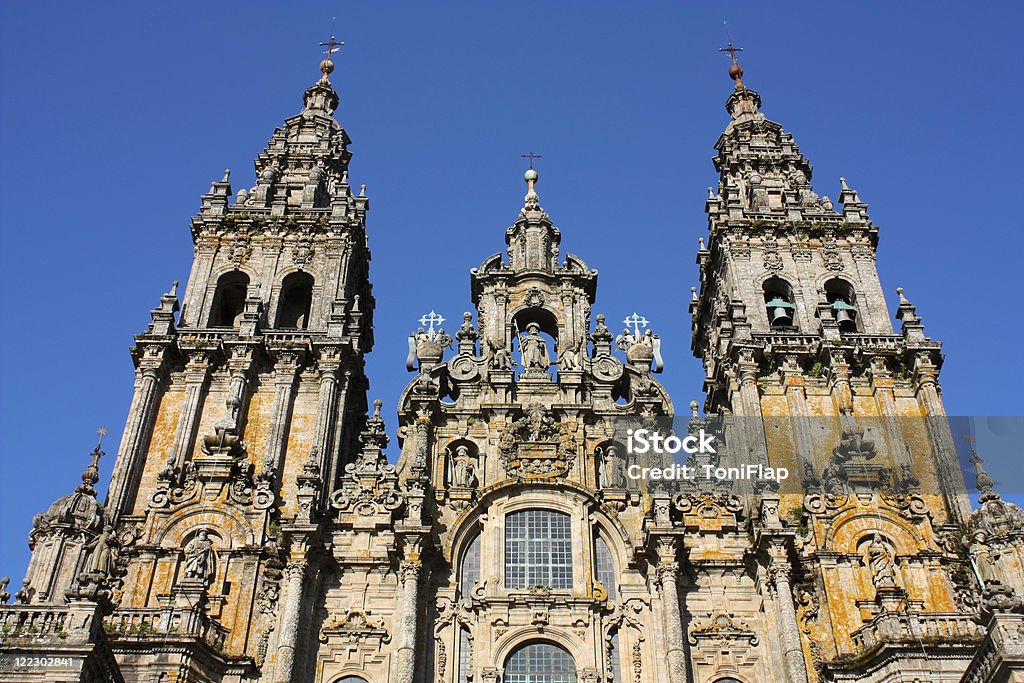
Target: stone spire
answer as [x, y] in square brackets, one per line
[305, 164]
[532, 240]
[762, 170]
[320, 97]
[65, 539]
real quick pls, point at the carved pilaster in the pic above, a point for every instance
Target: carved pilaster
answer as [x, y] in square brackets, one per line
[285, 371]
[409, 575]
[290, 613]
[141, 416]
[197, 373]
[668, 579]
[780, 576]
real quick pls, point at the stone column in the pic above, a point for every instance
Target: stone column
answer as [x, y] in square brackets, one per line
[284, 383]
[141, 416]
[749, 413]
[329, 363]
[405, 619]
[197, 371]
[668, 577]
[779, 573]
[950, 477]
[288, 621]
[339, 425]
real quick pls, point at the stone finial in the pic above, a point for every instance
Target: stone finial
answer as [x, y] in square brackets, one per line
[227, 175]
[4, 595]
[982, 481]
[377, 405]
[906, 312]
[693, 293]
[91, 475]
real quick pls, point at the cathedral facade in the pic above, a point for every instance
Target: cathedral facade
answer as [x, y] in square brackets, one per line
[254, 530]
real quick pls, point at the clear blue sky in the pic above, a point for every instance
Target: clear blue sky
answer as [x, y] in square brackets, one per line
[115, 117]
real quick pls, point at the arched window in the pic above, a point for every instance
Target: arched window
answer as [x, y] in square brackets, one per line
[540, 663]
[778, 301]
[604, 568]
[351, 679]
[229, 300]
[470, 566]
[728, 679]
[843, 301]
[295, 302]
[538, 549]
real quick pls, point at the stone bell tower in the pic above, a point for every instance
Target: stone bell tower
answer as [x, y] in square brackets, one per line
[246, 410]
[800, 354]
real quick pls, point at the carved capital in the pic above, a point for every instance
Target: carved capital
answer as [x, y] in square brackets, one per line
[410, 571]
[295, 569]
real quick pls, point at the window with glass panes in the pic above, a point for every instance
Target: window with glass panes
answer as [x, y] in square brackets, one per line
[470, 566]
[540, 663]
[538, 549]
[604, 569]
[465, 655]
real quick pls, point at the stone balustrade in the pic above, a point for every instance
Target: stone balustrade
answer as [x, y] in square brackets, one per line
[895, 628]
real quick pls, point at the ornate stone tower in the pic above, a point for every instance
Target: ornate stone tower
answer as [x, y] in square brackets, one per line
[533, 535]
[246, 411]
[801, 357]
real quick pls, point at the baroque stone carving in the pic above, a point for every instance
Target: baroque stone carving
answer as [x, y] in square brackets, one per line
[537, 446]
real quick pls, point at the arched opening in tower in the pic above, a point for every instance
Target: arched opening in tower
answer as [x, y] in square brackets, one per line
[295, 302]
[229, 300]
[535, 337]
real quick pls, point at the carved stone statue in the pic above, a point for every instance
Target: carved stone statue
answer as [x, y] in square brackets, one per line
[534, 350]
[500, 358]
[610, 467]
[100, 557]
[464, 471]
[571, 358]
[199, 557]
[880, 561]
[981, 558]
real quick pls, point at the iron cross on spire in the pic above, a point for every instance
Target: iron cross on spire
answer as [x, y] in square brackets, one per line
[531, 155]
[332, 45]
[731, 49]
[637, 322]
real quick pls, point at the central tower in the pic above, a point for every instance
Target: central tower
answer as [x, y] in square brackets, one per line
[536, 538]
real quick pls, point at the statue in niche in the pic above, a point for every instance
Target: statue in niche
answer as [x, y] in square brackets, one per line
[464, 468]
[199, 557]
[534, 350]
[880, 561]
[609, 467]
